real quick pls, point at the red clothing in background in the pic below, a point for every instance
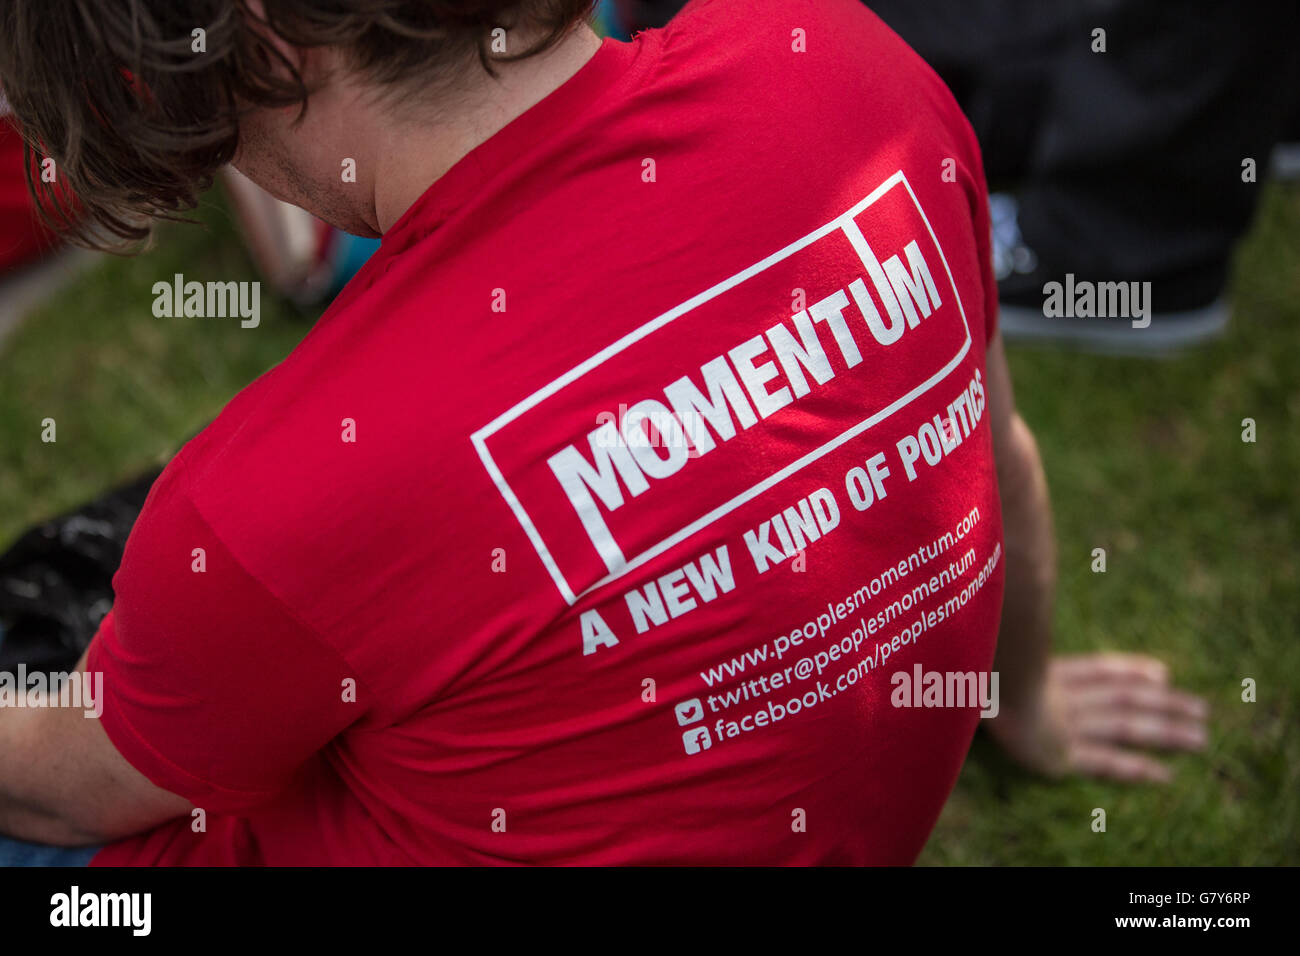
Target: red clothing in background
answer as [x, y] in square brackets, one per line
[22, 236]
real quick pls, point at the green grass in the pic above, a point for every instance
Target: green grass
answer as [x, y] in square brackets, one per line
[1201, 532]
[124, 388]
[1145, 460]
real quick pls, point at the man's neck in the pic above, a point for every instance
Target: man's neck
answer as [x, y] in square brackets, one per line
[412, 156]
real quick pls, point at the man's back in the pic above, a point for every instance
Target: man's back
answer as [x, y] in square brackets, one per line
[593, 521]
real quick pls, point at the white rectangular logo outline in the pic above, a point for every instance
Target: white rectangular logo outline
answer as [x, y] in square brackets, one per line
[843, 222]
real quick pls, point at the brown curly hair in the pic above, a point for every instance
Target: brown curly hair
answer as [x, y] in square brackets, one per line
[138, 123]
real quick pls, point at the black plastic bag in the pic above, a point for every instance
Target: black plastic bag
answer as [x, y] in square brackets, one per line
[56, 580]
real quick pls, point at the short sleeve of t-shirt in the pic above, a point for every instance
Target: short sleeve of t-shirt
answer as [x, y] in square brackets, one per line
[211, 688]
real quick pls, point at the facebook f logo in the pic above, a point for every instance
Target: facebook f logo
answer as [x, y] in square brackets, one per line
[697, 739]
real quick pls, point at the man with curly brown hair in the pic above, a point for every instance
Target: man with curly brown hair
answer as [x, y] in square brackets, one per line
[648, 497]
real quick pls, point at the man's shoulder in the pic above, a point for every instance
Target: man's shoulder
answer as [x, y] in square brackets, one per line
[831, 61]
[820, 29]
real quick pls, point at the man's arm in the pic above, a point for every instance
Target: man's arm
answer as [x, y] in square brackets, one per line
[1066, 714]
[62, 782]
[1024, 638]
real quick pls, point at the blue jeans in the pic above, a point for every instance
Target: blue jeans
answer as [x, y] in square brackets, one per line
[20, 853]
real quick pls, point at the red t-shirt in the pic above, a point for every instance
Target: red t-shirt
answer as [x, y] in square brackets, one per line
[579, 529]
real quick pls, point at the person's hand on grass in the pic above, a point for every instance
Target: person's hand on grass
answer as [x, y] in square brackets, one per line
[1096, 716]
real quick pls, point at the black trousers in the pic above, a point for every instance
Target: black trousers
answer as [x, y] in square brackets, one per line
[1129, 163]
